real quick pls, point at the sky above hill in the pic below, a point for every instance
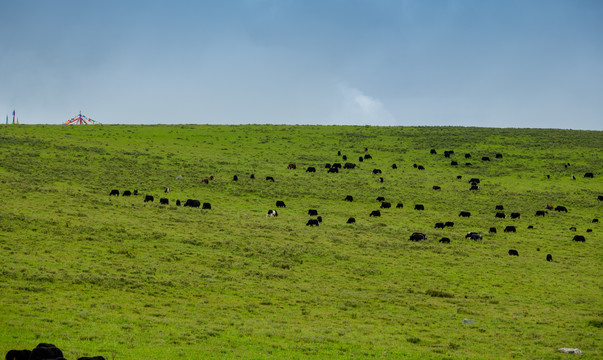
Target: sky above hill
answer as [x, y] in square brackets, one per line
[513, 63]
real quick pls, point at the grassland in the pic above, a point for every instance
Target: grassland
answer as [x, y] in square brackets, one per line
[114, 276]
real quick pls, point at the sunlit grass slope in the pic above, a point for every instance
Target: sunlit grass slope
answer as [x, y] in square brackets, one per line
[118, 277]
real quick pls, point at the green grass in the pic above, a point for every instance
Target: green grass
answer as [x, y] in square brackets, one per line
[113, 276]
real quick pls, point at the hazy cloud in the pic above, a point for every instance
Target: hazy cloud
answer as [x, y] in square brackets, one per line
[358, 108]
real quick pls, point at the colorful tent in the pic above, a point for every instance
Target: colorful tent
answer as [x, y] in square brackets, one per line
[80, 120]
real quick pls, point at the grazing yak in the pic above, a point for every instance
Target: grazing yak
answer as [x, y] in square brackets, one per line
[252, 176]
[595, 220]
[336, 165]
[344, 157]
[380, 198]
[192, 203]
[579, 238]
[531, 227]
[135, 192]
[513, 252]
[386, 205]
[549, 257]
[291, 166]
[269, 178]
[433, 152]
[498, 156]
[280, 204]
[367, 156]
[541, 212]
[349, 198]
[421, 167]
[375, 213]
[485, 158]
[510, 228]
[515, 216]
[473, 236]
[127, 193]
[205, 181]
[417, 237]
[454, 163]
[561, 208]
[148, 198]
[459, 177]
[235, 178]
[435, 187]
[500, 215]
[361, 159]
[444, 240]
[206, 206]
[465, 214]
[271, 213]
[572, 228]
[333, 170]
[492, 230]
[167, 190]
[376, 171]
[312, 212]
[351, 220]
[419, 207]
[399, 206]
[380, 180]
[178, 203]
[600, 198]
[394, 166]
[474, 181]
[311, 169]
[164, 201]
[313, 222]
[114, 192]
[349, 165]
[589, 175]
[45, 351]
[319, 218]
[18, 355]
[474, 187]
[499, 207]
[449, 224]
[440, 225]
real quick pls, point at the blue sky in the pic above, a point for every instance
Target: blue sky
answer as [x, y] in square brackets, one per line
[536, 64]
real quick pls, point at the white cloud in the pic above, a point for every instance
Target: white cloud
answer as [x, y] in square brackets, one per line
[358, 108]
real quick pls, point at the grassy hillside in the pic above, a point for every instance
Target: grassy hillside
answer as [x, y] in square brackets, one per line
[114, 276]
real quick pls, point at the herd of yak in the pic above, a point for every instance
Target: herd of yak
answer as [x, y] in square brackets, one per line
[334, 168]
